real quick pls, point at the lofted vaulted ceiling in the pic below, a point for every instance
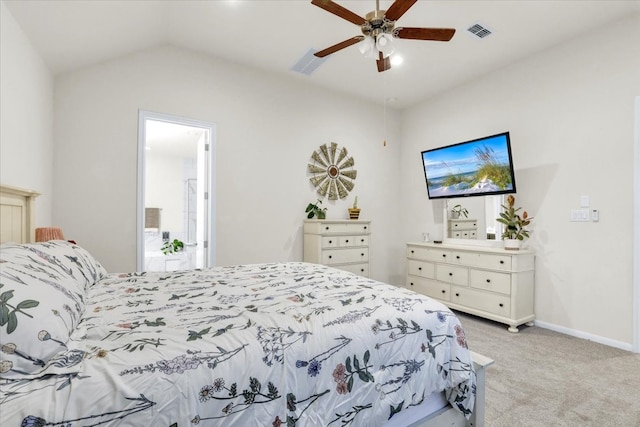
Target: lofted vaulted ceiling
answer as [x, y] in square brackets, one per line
[274, 35]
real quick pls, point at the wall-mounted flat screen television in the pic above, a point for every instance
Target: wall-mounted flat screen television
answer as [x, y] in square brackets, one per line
[479, 167]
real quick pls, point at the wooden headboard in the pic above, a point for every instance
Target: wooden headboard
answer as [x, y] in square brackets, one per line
[17, 214]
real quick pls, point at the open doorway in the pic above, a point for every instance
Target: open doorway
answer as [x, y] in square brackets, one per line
[175, 193]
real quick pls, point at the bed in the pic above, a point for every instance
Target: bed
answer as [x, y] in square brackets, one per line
[17, 214]
[292, 343]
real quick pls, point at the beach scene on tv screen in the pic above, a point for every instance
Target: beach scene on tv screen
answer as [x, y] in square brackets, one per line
[475, 167]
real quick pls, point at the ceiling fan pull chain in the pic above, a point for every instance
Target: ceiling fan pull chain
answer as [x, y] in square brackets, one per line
[384, 111]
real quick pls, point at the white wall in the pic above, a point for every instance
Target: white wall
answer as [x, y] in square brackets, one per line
[165, 189]
[267, 128]
[570, 111]
[26, 117]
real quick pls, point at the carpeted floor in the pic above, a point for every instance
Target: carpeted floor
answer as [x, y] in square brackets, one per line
[544, 378]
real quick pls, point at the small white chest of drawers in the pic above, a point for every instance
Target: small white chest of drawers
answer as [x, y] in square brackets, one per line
[342, 244]
[493, 283]
[463, 228]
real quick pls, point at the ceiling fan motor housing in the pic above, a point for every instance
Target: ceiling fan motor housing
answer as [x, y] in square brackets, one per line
[377, 24]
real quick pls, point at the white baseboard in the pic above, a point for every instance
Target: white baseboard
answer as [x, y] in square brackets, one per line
[580, 334]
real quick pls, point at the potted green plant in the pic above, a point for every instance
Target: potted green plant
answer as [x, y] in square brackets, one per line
[314, 209]
[458, 210]
[514, 232]
[172, 246]
[354, 212]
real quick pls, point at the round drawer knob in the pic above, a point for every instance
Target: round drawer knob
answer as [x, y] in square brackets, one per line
[444, 292]
[457, 294]
[501, 305]
[330, 256]
[412, 251]
[419, 268]
[444, 255]
[501, 262]
[361, 254]
[411, 283]
[330, 241]
[347, 241]
[362, 270]
[457, 256]
[450, 274]
[488, 280]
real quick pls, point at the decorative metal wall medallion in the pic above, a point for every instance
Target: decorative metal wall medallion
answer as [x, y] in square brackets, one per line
[332, 171]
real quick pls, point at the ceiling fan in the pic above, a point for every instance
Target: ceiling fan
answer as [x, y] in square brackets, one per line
[379, 29]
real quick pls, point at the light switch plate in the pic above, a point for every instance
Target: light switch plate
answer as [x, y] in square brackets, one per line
[584, 201]
[580, 215]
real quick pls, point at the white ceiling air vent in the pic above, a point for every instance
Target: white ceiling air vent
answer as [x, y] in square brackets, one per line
[308, 63]
[479, 30]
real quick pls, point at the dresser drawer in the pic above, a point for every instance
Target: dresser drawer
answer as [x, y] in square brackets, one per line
[471, 234]
[460, 257]
[340, 256]
[429, 287]
[361, 240]
[360, 269]
[346, 241]
[462, 225]
[428, 254]
[452, 274]
[415, 252]
[463, 234]
[322, 227]
[493, 261]
[490, 281]
[329, 242]
[479, 300]
[421, 268]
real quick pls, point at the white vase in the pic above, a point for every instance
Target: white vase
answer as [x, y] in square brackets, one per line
[512, 244]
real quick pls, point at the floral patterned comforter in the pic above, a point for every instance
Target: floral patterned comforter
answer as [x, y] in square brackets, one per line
[249, 345]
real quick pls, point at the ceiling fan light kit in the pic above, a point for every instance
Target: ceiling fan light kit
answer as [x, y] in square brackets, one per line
[367, 47]
[384, 44]
[379, 30]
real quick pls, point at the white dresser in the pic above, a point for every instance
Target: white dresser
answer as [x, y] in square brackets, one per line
[342, 244]
[493, 283]
[463, 228]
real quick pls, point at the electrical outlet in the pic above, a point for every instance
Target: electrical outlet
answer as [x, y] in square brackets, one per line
[595, 215]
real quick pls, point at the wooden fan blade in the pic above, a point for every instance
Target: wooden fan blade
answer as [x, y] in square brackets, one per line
[338, 46]
[398, 8]
[340, 11]
[435, 34]
[383, 63]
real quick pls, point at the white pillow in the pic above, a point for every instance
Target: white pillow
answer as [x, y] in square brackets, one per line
[42, 299]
